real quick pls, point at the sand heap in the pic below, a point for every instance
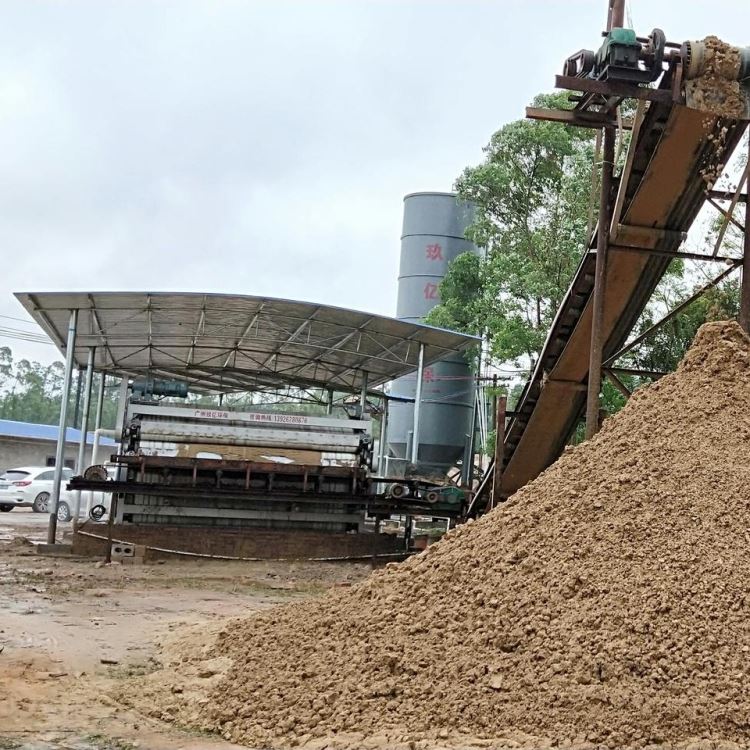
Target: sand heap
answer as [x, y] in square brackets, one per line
[607, 602]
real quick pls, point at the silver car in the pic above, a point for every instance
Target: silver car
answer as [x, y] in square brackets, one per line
[31, 487]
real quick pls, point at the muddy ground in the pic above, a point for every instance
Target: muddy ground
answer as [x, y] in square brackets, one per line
[71, 633]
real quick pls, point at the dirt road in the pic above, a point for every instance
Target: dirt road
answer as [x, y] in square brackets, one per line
[72, 632]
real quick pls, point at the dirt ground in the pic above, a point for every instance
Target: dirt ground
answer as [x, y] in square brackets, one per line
[72, 633]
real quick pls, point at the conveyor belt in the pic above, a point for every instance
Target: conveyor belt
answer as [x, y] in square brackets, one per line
[664, 191]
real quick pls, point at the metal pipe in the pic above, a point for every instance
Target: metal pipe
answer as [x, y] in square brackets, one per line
[417, 406]
[110, 525]
[84, 430]
[98, 416]
[363, 397]
[616, 15]
[600, 276]
[61, 435]
[329, 407]
[383, 436]
[745, 295]
[122, 408]
[77, 408]
[101, 432]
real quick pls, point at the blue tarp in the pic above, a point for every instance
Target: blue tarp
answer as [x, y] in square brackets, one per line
[31, 431]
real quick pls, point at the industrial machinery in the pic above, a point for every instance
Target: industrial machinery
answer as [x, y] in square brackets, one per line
[160, 481]
[622, 57]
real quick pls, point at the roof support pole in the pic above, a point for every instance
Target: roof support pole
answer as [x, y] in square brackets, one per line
[745, 296]
[61, 435]
[99, 409]
[84, 430]
[363, 397]
[329, 406]
[417, 406]
[77, 403]
[122, 409]
[97, 434]
[383, 435]
[600, 276]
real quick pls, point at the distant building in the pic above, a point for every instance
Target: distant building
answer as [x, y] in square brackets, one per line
[28, 444]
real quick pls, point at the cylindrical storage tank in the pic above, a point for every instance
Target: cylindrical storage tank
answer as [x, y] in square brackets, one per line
[433, 235]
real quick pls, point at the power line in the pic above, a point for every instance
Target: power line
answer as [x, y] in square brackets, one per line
[20, 335]
[20, 320]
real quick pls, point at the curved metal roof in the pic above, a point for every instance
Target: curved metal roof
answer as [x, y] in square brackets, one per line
[237, 343]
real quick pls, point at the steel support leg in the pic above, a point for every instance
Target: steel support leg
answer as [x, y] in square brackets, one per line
[363, 397]
[84, 430]
[417, 406]
[597, 318]
[77, 402]
[98, 417]
[61, 435]
[329, 405]
[383, 436]
[97, 427]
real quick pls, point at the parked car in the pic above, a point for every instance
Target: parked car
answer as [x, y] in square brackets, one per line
[31, 487]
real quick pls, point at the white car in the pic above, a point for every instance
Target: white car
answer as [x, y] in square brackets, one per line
[31, 487]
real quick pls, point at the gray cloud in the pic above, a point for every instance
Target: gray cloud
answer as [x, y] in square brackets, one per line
[259, 147]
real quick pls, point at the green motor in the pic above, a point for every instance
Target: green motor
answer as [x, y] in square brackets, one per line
[618, 57]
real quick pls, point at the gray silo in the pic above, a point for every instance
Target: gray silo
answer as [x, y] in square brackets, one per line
[433, 235]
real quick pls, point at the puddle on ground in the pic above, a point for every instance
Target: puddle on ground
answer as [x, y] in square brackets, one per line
[19, 742]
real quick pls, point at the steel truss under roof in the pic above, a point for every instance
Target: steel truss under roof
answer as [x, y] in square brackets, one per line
[238, 343]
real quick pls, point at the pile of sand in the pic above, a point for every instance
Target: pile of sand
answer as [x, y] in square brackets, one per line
[607, 602]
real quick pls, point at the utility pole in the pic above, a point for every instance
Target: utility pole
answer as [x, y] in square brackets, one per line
[497, 472]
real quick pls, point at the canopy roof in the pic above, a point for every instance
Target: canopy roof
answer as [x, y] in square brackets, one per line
[237, 343]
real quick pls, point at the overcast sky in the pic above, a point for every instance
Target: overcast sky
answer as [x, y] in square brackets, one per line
[261, 147]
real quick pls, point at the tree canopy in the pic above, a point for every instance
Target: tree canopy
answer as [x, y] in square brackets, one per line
[532, 198]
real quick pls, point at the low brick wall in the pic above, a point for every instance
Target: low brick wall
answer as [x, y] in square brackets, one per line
[253, 543]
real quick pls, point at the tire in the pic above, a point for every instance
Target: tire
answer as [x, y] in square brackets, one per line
[41, 503]
[97, 512]
[6, 508]
[63, 511]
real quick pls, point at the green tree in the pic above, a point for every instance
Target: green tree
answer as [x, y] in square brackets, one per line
[532, 198]
[32, 392]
